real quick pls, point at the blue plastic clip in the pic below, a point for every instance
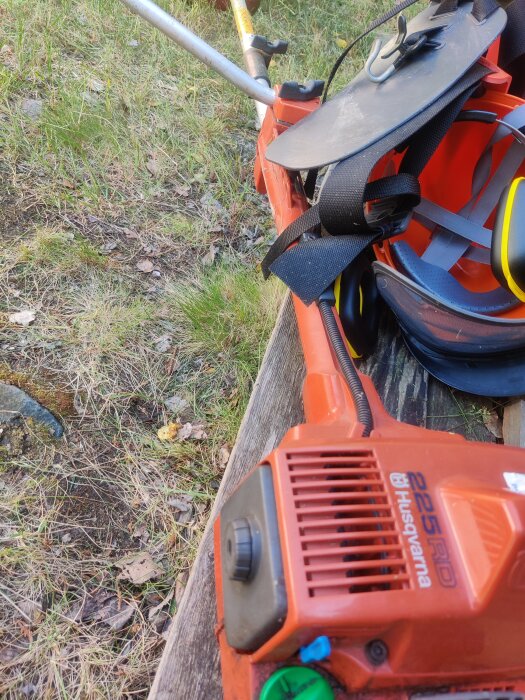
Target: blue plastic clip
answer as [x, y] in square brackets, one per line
[318, 650]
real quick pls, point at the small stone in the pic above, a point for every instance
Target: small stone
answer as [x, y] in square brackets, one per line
[23, 318]
[145, 266]
[155, 273]
[133, 43]
[32, 108]
[14, 403]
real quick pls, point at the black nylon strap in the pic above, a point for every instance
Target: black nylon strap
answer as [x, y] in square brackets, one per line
[446, 6]
[310, 182]
[341, 201]
[424, 143]
[309, 221]
[310, 267]
[483, 9]
[403, 190]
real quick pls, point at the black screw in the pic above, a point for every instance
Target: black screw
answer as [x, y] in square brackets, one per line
[376, 652]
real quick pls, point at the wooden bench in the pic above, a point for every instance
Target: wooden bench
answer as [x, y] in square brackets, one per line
[189, 668]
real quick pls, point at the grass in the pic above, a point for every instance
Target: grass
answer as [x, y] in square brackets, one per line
[137, 158]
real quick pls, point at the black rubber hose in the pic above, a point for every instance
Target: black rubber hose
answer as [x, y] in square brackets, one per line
[364, 412]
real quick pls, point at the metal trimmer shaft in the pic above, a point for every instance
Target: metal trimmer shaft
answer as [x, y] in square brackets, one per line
[182, 36]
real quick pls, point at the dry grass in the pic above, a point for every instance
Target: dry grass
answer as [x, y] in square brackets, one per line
[137, 155]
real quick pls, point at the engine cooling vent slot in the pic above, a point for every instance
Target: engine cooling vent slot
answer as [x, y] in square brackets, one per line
[349, 539]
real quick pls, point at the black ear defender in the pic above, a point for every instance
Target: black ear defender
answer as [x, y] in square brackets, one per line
[358, 304]
[508, 239]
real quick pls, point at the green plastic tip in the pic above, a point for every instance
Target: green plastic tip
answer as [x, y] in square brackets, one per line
[296, 682]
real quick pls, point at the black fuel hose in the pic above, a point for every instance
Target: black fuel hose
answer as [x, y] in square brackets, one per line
[364, 412]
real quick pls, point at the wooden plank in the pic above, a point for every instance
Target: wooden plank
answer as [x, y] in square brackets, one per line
[411, 395]
[514, 423]
[189, 668]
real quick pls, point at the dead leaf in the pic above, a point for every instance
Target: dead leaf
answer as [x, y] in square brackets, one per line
[176, 404]
[179, 505]
[198, 433]
[138, 568]
[188, 430]
[102, 606]
[185, 432]
[183, 190]
[152, 166]
[7, 56]
[163, 343]
[224, 455]
[210, 256]
[145, 265]
[31, 609]
[141, 533]
[157, 615]
[96, 85]
[25, 630]
[172, 364]
[168, 432]
[494, 424]
[23, 318]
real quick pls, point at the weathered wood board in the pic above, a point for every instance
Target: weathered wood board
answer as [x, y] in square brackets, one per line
[189, 668]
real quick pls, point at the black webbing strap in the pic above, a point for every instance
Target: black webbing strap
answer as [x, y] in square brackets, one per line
[403, 190]
[341, 201]
[512, 46]
[481, 9]
[313, 263]
[311, 266]
[309, 221]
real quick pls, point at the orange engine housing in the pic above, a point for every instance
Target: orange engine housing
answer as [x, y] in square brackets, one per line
[417, 540]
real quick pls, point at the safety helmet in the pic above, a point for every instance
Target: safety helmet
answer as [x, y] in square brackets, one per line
[425, 163]
[455, 278]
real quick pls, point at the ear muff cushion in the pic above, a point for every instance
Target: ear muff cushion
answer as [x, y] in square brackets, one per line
[508, 240]
[358, 305]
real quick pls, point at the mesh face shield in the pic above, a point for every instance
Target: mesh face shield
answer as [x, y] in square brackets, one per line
[479, 354]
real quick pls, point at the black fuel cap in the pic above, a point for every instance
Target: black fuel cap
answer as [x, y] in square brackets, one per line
[240, 556]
